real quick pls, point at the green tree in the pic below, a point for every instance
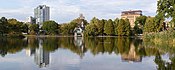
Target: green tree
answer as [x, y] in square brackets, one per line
[96, 27]
[71, 27]
[166, 8]
[124, 27]
[3, 25]
[68, 28]
[34, 29]
[127, 28]
[138, 29]
[109, 27]
[65, 29]
[141, 20]
[116, 22]
[139, 24]
[154, 24]
[149, 25]
[15, 27]
[95, 22]
[24, 28]
[159, 20]
[91, 30]
[78, 21]
[99, 24]
[51, 27]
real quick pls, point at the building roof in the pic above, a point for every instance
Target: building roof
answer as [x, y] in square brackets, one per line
[131, 11]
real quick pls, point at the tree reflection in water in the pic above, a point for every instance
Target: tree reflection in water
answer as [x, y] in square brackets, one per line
[131, 50]
[11, 46]
[164, 65]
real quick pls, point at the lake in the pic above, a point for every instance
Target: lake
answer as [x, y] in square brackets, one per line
[77, 53]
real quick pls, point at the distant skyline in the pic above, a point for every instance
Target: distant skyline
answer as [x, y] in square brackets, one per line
[63, 11]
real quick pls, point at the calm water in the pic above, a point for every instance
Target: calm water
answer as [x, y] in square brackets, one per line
[84, 54]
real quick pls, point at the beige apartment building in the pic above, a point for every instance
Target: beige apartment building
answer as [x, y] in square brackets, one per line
[131, 15]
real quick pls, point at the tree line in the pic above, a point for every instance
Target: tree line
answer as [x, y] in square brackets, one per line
[96, 27]
[12, 27]
[108, 27]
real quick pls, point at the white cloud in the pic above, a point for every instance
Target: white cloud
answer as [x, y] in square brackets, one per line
[66, 10]
[21, 13]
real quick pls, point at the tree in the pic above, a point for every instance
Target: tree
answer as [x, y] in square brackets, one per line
[3, 25]
[68, 28]
[91, 30]
[95, 22]
[15, 27]
[51, 27]
[78, 21]
[99, 24]
[149, 25]
[24, 28]
[166, 8]
[71, 27]
[127, 27]
[116, 22]
[139, 24]
[141, 20]
[65, 29]
[34, 29]
[138, 29]
[124, 27]
[154, 24]
[159, 22]
[109, 27]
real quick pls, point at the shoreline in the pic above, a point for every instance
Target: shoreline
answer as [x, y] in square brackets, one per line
[74, 36]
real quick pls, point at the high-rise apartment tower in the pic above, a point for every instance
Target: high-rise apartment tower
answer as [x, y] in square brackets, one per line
[41, 14]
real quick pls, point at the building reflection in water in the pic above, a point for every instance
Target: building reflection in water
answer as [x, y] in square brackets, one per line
[132, 55]
[41, 56]
[79, 42]
[30, 52]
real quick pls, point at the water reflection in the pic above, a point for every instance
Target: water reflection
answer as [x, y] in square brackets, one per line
[11, 46]
[164, 65]
[79, 42]
[130, 50]
[41, 56]
[132, 55]
[124, 46]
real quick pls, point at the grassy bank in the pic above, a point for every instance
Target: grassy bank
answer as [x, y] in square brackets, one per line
[161, 38]
[15, 36]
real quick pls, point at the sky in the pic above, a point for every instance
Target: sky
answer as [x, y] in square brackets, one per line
[63, 11]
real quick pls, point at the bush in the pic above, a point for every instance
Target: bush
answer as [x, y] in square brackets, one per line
[165, 37]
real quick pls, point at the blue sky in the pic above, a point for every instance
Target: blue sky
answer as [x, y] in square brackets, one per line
[63, 11]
